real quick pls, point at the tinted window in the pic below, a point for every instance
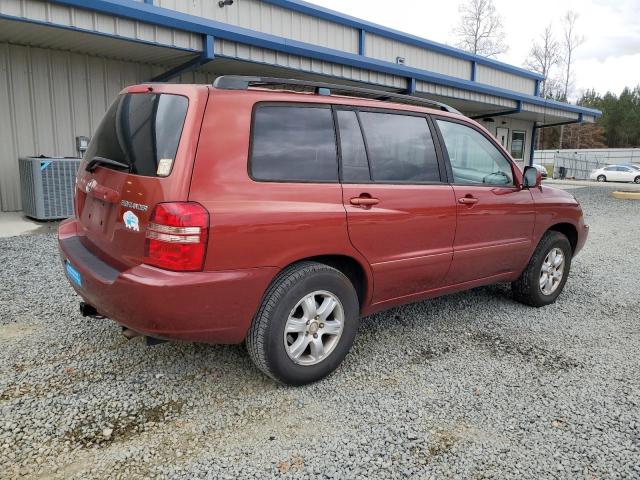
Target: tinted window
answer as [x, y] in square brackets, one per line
[140, 130]
[474, 159]
[354, 156]
[400, 148]
[294, 144]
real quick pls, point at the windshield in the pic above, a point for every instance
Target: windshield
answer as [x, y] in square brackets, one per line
[142, 131]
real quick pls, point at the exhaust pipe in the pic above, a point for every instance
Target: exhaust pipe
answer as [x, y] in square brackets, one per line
[87, 310]
[150, 341]
[129, 334]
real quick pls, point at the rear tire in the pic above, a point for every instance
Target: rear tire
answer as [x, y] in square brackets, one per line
[546, 273]
[602, 178]
[637, 179]
[315, 342]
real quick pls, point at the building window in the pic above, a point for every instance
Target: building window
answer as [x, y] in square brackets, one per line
[517, 144]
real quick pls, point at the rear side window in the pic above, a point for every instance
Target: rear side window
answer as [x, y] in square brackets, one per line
[354, 156]
[140, 130]
[291, 143]
[400, 148]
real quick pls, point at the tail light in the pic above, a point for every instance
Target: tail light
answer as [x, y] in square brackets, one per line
[177, 236]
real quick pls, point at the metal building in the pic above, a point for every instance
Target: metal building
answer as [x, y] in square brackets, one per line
[63, 61]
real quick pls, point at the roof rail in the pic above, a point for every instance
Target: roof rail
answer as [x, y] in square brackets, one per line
[239, 82]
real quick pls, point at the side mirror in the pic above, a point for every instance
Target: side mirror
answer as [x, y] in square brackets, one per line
[531, 177]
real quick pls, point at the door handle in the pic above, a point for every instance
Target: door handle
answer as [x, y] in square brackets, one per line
[364, 201]
[468, 200]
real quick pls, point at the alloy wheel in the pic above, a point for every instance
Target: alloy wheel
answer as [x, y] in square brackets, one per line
[314, 327]
[552, 271]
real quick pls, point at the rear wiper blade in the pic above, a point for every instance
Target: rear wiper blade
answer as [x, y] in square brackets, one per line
[95, 161]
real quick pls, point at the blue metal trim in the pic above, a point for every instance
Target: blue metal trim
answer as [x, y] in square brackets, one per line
[534, 139]
[362, 45]
[515, 111]
[207, 54]
[474, 71]
[337, 17]
[172, 19]
[148, 2]
[208, 50]
[558, 124]
[411, 86]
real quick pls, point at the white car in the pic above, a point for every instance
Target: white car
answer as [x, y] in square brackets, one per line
[616, 173]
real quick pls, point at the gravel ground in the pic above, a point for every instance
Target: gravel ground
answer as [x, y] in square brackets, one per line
[471, 385]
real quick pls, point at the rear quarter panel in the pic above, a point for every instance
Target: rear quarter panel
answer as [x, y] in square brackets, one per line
[258, 224]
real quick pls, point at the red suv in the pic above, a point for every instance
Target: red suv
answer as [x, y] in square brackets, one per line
[253, 211]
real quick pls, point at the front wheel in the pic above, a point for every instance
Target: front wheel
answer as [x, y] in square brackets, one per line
[306, 324]
[546, 273]
[602, 178]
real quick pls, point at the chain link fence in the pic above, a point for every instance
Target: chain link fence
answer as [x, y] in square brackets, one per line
[577, 165]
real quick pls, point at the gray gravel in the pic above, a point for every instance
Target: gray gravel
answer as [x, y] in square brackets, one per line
[471, 385]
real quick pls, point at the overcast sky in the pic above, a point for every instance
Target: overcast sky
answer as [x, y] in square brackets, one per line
[608, 60]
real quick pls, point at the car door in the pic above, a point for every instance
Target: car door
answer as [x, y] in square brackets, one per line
[495, 216]
[401, 215]
[613, 174]
[626, 174]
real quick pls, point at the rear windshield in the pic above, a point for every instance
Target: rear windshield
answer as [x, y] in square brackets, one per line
[140, 130]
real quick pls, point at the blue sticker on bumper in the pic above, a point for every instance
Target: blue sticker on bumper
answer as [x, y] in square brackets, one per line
[73, 274]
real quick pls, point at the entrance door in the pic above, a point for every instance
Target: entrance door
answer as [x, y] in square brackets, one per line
[502, 134]
[495, 217]
[401, 216]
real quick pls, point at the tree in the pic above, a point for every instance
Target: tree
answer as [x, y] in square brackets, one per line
[570, 41]
[543, 57]
[620, 116]
[480, 30]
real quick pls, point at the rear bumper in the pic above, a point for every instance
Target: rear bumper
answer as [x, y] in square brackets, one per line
[215, 307]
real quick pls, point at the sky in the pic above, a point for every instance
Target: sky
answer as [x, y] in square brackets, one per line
[608, 60]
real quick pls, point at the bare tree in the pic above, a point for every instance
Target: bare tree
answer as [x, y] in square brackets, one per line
[480, 30]
[543, 57]
[570, 41]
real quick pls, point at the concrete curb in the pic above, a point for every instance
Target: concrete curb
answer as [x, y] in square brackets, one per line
[626, 195]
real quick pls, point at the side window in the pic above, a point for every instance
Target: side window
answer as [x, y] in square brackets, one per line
[400, 148]
[354, 156]
[474, 159]
[517, 144]
[293, 143]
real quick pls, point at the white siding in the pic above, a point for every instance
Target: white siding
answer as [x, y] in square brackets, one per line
[48, 97]
[260, 55]
[508, 81]
[266, 18]
[60, 15]
[514, 124]
[450, 92]
[388, 50]
[552, 112]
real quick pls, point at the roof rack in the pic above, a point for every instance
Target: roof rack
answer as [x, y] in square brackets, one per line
[239, 82]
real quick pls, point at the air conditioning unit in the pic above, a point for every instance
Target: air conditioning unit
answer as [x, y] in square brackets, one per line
[48, 185]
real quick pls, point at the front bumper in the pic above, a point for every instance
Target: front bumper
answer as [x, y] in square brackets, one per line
[583, 234]
[214, 307]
